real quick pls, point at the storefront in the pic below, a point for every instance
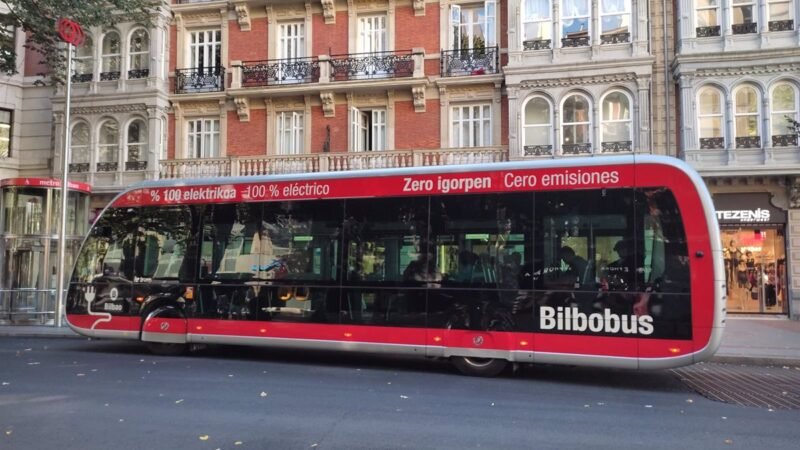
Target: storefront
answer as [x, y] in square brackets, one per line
[753, 233]
[29, 229]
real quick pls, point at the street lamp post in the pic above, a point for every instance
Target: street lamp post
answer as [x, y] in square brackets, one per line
[72, 34]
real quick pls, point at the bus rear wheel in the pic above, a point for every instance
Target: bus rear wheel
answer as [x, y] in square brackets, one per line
[167, 349]
[479, 367]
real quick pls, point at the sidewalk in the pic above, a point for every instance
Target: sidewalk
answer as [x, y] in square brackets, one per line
[773, 341]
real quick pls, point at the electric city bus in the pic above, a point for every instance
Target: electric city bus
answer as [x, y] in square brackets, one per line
[611, 262]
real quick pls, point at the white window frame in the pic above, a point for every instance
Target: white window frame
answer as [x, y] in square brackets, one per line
[83, 56]
[625, 14]
[109, 59]
[202, 130]
[109, 147]
[698, 8]
[291, 47]
[604, 121]
[476, 120]
[372, 33]
[547, 22]
[8, 128]
[720, 115]
[290, 132]
[740, 3]
[458, 27]
[549, 125]
[144, 54]
[75, 149]
[367, 129]
[575, 16]
[588, 122]
[208, 50]
[776, 2]
[737, 114]
[775, 113]
[142, 143]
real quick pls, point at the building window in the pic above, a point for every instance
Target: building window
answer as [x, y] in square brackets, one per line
[576, 125]
[136, 150]
[204, 138]
[290, 133]
[83, 61]
[537, 24]
[746, 117]
[471, 126]
[5, 133]
[780, 15]
[575, 18]
[616, 123]
[111, 56]
[474, 25]
[139, 54]
[368, 130]
[615, 19]
[205, 49]
[372, 34]
[538, 127]
[744, 17]
[784, 103]
[79, 147]
[108, 146]
[8, 42]
[710, 117]
[707, 18]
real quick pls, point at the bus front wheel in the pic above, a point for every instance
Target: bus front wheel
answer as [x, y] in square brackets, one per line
[479, 367]
[167, 349]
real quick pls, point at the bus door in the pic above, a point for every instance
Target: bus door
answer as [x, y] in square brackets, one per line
[163, 272]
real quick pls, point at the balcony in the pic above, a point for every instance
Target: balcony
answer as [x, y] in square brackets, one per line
[615, 38]
[577, 149]
[538, 150]
[327, 162]
[82, 78]
[616, 147]
[744, 28]
[537, 44]
[781, 25]
[748, 142]
[579, 40]
[199, 79]
[784, 140]
[708, 31]
[280, 71]
[712, 143]
[109, 76]
[134, 74]
[471, 61]
[362, 66]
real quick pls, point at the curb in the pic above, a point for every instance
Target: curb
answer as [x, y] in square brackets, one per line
[756, 360]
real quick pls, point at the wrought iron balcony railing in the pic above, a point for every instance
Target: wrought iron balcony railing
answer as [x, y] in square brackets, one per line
[577, 41]
[537, 44]
[538, 150]
[359, 66]
[708, 31]
[200, 79]
[615, 38]
[748, 142]
[744, 28]
[82, 78]
[78, 167]
[107, 166]
[109, 76]
[138, 73]
[470, 61]
[280, 71]
[577, 149]
[712, 143]
[784, 140]
[135, 165]
[781, 25]
[616, 147]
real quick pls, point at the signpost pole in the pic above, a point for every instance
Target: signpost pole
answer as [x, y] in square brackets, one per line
[62, 232]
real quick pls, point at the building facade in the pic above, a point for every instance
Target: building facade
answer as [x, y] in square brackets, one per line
[739, 80]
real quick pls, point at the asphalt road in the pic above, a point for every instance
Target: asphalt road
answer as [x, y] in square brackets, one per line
[80, 394]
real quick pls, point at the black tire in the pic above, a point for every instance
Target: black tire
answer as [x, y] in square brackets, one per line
[479, 367]
[166, 349]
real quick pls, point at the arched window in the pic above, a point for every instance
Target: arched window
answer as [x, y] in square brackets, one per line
[83, 62]
[108, 146]
[111, 55]
[615, 123]
[136, 150]
[139, 54]
[746, 113]
[711, 118]
[538, 127]
[576, 125]
[79, 148]
[784, 105]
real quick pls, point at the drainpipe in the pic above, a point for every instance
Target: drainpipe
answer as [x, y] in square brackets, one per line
[666, 77]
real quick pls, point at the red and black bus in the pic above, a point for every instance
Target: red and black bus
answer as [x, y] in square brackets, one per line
[611, 261]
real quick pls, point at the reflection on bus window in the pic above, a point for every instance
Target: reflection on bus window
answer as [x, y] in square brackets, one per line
[162, 242]
[109, 248]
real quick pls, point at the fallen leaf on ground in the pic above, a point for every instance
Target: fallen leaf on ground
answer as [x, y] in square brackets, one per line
[264, 394]
[178, 401]
[204, 437]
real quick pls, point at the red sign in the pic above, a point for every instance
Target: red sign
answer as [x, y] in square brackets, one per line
[46, 183]
[70, 32]
[441, 183]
